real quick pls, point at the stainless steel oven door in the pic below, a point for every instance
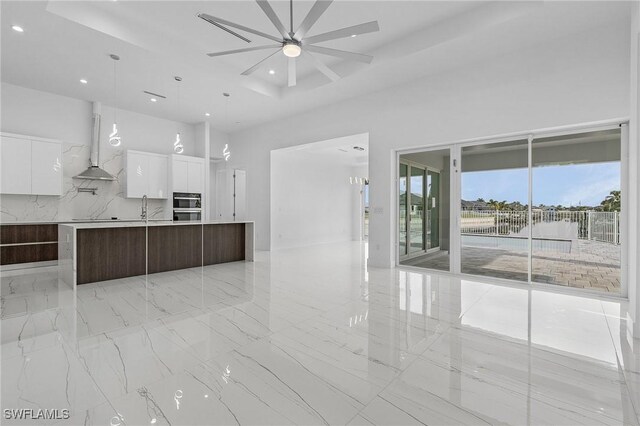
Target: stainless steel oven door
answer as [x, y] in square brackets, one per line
[186, 215]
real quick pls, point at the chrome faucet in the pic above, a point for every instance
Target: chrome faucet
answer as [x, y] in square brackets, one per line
[144, 207]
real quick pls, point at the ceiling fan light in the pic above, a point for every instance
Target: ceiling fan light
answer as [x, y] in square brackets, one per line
[291, 50]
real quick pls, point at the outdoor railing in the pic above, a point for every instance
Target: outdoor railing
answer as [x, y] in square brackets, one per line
[565, 224]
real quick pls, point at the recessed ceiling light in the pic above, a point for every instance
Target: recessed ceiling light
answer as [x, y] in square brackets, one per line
[207, 114]
[272, 72]
[353, 35]
[17, 28]
[153, 99]
[83, 81]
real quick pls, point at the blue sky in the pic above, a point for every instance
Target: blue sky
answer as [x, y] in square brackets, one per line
[567, 185]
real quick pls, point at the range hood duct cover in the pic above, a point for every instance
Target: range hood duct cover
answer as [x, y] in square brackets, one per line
[94, 172]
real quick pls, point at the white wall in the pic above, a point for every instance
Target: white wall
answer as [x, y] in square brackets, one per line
[576, 79]
[35, 113]
[312, 200]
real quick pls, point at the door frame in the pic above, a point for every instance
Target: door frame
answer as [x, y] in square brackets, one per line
[426, 168]
[410, 165]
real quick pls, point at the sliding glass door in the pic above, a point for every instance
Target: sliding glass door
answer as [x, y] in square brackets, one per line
[493, 210]
[432, 208]
[403, 218]
[423, 197]
[576, 205]
[417, 238]
[539, 209]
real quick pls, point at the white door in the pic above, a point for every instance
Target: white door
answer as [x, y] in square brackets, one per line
[158, 169]
[241, 194]
[196, 177]
[180, 173]
[137, 174]
[15, 162]
[46, 168]
[224, 195]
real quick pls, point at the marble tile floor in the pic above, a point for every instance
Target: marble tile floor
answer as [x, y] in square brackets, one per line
[313, 336]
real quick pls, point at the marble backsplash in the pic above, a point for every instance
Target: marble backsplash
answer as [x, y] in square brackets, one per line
[108, 202]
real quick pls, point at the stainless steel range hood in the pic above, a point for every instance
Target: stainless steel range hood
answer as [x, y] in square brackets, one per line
[94, 172]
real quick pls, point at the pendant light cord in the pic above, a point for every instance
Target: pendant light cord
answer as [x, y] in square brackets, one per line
[178, 87]
[115, 93]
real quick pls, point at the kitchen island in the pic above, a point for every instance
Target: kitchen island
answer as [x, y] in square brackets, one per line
[102, 251]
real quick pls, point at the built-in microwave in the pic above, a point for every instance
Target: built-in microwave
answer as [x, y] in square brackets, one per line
[186, 207]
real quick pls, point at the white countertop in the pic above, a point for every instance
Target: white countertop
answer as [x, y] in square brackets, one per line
[124, 224]
[77, 221]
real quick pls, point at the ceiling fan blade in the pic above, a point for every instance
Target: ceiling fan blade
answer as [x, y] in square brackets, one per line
[258, 65]
[322, 67]
[318, 8]
[230, 31]
[292, 72]
[219, 21]
[268, 10]
[340, 53]
[369, 27]
[246, 49]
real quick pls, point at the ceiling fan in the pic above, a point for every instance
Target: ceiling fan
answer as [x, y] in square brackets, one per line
[294, 43]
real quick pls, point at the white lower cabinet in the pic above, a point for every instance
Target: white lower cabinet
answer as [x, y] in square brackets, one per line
[146, 174]
[30, 166]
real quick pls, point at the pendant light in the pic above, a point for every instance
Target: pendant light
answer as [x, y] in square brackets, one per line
[178, 148]
[114, 138]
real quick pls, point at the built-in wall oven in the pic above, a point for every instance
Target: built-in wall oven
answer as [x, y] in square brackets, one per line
[187, 207]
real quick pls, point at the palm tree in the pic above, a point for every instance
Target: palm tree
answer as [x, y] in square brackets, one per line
[612, 202]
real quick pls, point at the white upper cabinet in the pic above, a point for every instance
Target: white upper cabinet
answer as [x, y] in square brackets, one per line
[180, 175]
[137, 174]
[146, 174]
[188, 174]
[46, 168]
[30, 166]
[195, 177]
[16, 166]
[158, 176]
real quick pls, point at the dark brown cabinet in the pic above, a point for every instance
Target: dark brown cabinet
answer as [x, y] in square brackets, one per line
[28, 243]
[224, 243]
[174, 247]
[110, 253]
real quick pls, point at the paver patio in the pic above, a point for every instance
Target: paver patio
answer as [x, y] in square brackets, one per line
[590, 264]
